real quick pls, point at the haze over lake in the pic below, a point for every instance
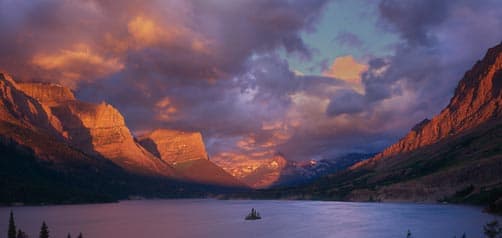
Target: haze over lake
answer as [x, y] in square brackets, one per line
[222, 218]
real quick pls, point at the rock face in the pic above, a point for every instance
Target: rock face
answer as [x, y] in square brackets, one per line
[18, 108]
[477, 99]
[48, 94]
[186, 152]
[175, 146]
[98, 130]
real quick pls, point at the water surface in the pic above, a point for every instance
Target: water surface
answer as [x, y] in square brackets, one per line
[216, 218]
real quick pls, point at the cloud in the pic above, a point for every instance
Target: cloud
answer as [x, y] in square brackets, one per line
[78, 63]
[348, 69]
[214, 66]
[346, 102]
[413, 19]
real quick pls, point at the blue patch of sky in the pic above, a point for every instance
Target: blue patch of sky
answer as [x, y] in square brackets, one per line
[344, 17]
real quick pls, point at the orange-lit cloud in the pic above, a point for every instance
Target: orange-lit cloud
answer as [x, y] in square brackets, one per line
[77, 63]
[166, 110]
[148, 32]
[348, 69]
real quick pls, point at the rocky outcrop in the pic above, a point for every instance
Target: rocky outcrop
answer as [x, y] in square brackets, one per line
[186, 152]
[477, 100]
[175, 146]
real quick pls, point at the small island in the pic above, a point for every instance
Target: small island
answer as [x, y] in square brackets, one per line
[254, 215]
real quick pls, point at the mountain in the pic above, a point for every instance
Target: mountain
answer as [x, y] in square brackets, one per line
[279, 172]
[455, 157]
[304, 172]
[97, 129]
[267, 173]
[57, 149]
[186, 152]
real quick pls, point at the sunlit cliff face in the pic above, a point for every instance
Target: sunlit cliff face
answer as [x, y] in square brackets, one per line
[302, 78]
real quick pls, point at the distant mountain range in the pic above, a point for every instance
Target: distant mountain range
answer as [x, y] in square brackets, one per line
[454, 157]
[279, 172]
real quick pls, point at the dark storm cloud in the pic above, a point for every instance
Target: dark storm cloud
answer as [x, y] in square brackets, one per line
[412, 19]
[346, 102]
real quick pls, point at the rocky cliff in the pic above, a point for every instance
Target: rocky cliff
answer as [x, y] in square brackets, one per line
[48, 94]
[477, 100]
[96, 129]
[186, 152]
[175, 146]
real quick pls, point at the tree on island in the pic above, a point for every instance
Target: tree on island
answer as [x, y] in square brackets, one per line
[44, 231]
[408, 234]
[12, 227]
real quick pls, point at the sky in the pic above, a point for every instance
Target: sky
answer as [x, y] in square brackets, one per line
[308, 79]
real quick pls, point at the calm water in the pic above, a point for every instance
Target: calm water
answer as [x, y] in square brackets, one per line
[214, 218]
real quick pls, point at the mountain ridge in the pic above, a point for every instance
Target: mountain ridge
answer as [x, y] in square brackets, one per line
[477, 99]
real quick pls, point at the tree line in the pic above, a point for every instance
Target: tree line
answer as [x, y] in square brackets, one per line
[15, 232]
[491, 230]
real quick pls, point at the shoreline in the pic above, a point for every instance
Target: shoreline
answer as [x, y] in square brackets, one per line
[480, 207]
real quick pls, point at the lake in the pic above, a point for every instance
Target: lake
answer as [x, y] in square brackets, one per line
[222, 218]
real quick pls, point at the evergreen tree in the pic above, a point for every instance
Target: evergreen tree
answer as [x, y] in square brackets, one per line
[80, 235]
[44, 231]
[464, 236]
[12, 227]
[68, 236]
[21, 234]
